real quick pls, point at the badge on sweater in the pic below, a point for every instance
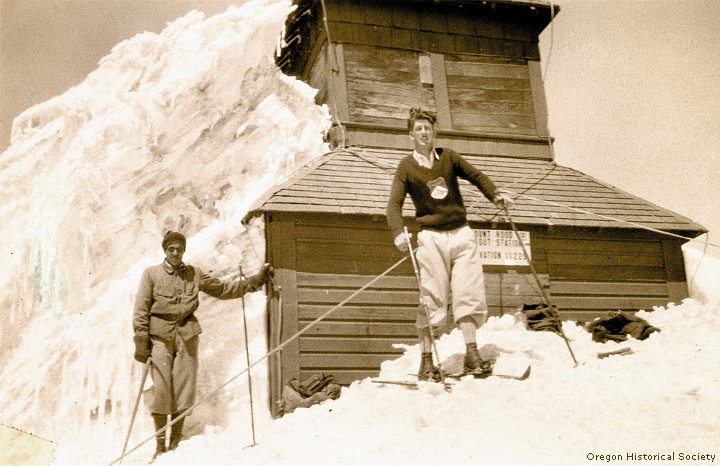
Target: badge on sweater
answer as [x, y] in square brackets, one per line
[438, 188]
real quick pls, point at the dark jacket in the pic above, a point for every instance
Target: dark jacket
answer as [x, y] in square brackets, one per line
[168, 298]
[617, 325]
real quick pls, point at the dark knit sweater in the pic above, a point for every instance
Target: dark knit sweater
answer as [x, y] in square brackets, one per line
[434, 191]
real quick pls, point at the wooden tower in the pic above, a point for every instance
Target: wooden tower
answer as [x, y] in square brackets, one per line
[477, 64]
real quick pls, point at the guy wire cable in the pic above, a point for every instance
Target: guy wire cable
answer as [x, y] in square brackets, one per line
[378, 162]
[552, 39]
[607, 217]
[545, 296]
[534, 183]
[335, 66]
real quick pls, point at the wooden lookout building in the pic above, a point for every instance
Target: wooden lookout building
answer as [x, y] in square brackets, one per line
[477, 64]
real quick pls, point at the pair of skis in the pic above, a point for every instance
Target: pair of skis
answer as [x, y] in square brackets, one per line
[453, 379]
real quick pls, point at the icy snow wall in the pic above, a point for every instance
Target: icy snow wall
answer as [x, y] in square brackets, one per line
[180, 130]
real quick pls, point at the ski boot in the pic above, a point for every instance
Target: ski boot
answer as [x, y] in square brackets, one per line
[475, 365]
[428, 371]
[176, 431]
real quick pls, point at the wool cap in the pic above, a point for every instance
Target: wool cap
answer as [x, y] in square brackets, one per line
[173, 237]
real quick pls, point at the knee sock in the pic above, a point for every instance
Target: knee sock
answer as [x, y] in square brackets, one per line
[160, 422]
[176, 430]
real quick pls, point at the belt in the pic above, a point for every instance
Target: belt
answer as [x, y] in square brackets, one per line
[171, 318]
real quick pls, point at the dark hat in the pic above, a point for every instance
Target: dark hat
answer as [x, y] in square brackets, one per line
[173, 237]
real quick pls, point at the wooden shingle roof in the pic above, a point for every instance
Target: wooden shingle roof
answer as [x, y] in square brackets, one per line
[357, 181]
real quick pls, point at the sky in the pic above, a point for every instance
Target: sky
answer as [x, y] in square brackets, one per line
[633, 100]
[631, 85]
[48, 46]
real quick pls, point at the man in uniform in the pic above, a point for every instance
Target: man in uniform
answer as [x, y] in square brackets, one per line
[167, 331]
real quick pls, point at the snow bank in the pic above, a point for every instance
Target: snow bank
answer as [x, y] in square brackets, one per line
[661, 399]
[184, 130]
[703, 274]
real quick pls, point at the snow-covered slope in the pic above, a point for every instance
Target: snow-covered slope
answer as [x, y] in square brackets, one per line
[660, 400]
[182, 130]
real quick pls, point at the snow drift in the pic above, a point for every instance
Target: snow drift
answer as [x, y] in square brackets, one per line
[183, 130]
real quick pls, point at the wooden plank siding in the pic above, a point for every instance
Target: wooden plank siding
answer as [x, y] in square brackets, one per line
[430, 28]
[604, 272]
[356, 338]
[539, 101]
[353, 341]
[382, 87]
[336, 256]
[521, 146]
[328, 77]
[322, 259]
[489, 95]
[580, 258]
[481, 94]
[282, 309]
[383, 41]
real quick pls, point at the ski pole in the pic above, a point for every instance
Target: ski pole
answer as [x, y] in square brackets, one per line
[135, 408]
[539, 283]
[424, 306]
[247, 358]
[277, 288]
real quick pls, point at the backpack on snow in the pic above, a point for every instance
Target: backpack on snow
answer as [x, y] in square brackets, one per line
[540, 317]
[314, 390]
[312, 385]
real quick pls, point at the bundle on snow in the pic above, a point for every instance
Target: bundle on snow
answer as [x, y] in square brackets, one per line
[314, 390]
[617, 325]
[541, 317]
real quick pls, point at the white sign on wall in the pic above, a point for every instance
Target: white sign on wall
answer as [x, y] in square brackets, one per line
[501, 247]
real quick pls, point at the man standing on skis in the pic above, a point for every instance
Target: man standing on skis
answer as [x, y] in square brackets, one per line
[167, 331]
[447, 254]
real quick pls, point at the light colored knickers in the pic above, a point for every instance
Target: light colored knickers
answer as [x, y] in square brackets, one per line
[450, 271]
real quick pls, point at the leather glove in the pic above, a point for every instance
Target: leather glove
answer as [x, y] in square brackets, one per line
[143, 347]
[401, 242]
[267, 270]
[502, 200]
[262, 277]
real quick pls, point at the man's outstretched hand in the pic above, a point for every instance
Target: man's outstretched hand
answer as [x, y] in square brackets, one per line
[402, 240]
[503, 200]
